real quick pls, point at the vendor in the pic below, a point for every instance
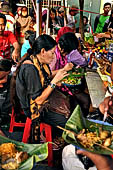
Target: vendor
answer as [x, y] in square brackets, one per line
[108, 26]
[107, 29]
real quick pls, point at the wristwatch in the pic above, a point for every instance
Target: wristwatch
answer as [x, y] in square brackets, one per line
[52, 85]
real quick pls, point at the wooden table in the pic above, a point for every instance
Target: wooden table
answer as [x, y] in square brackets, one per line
[96, 88]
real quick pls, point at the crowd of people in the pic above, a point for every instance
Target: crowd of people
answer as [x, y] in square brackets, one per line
[31, 70]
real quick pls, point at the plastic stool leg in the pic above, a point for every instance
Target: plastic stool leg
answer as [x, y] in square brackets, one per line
[48, 133]
[27, 130]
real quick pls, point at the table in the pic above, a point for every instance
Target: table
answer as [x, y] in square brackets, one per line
[96, 88]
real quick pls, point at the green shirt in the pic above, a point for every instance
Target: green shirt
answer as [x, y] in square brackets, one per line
[101, 23]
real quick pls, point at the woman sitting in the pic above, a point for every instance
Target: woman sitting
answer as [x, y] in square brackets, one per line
[67, 55]
[34, 83]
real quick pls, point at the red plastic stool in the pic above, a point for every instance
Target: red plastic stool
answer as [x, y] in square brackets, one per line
[26, 126]
[13, 123]
[48, 135]
[27, 130]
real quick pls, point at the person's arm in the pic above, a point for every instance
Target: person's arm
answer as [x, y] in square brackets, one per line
[3, 73]
[45, 94]
[16, 51]
[77, 59]
[67, 67]
[13, 41]
[33, 84]
[104, 35]
[3, 77]
[96, 22]
[107, 105]
[102, 162]
[24, 48]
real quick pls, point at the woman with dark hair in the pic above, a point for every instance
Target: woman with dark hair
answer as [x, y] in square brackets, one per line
[34, 83]
[29, 40]
[58, 58]
[23, 24]
[53, 22]
[67, 51]
[67, 55]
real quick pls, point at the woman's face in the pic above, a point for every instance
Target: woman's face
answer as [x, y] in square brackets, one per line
[52, 15]
[84, 21]
[62, 51]
[24, 12]
[48, 56]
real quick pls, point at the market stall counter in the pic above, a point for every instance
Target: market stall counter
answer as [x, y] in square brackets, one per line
[95, 87]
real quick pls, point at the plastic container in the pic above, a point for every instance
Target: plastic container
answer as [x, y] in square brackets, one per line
[110, 52]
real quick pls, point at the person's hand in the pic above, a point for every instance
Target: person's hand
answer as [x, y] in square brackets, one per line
[77, 66]
[102, 162]
[107, 105]
[15, 55]
[100, 35]
[3, 77]
[68, 66]
[3, 73]
[59, 76]
[2, 81]
[110, 29]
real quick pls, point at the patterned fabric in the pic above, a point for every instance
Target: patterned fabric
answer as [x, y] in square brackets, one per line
[75, 57]
[61, 61]
[44, 73]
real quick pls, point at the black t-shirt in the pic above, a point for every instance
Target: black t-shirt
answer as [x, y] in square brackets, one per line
[28, 86]
[5, 103]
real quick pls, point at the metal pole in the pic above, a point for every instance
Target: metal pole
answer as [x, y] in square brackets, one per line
[65, 16]
[28, 6]
[81, 30]
[47, 23]
[37, 18]
[26, 3]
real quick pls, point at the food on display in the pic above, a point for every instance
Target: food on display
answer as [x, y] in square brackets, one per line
[71, 81]
[11, 158]
[88, 139]
[92, 135]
